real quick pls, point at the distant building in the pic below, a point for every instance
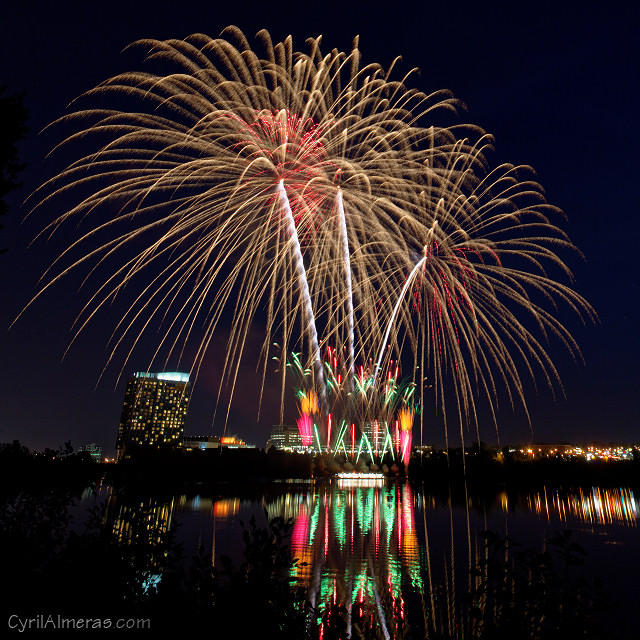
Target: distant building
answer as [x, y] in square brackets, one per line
[234, 442]
[285, 437]
[425, 450]
[154, 411]
[214, 442]
[190, 443]
[94, 450]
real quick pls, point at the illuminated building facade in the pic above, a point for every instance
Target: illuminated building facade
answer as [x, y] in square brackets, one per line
[154, 411]
[286, 437]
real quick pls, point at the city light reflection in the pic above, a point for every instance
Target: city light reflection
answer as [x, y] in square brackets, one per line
[598, 506]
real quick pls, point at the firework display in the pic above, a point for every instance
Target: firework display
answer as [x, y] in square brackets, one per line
[319, 194]
[367, 415]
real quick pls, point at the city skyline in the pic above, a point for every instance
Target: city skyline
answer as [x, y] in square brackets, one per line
[551, 132]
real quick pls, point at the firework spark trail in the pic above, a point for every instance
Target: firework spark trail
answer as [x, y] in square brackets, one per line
[407, 283]
[347, 268]
[304, 289]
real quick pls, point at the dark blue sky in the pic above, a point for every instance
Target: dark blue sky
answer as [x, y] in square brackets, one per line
[557, 87]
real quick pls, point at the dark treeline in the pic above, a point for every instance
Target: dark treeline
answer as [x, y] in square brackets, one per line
[475, 468]
[212, 466]
[482, 473]
[22, 469]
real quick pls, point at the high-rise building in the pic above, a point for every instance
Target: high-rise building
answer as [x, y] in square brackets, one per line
[154, 411]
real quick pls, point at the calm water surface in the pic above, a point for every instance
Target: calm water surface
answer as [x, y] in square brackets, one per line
[400, 552]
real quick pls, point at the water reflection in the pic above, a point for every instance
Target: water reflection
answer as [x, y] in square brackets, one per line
[141, 526]
[392, 555]
[222, 508]
[132, 518]
[357, 547]
[599, 506]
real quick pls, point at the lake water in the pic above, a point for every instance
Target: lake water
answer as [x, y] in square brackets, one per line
[402, 554]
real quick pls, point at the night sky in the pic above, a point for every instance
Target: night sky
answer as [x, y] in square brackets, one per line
[557, 87]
